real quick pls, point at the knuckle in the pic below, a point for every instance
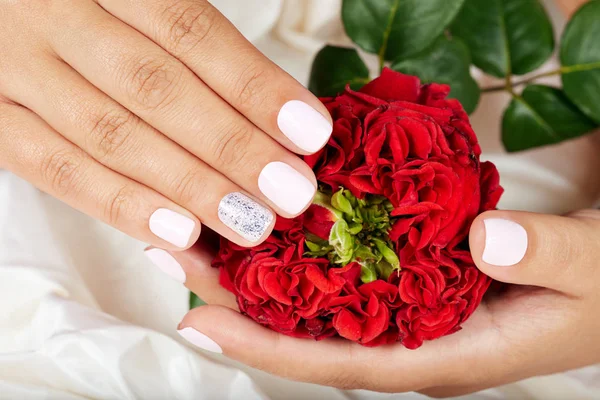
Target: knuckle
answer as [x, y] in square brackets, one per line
[249, 89]
[110, 131]
[188, 189]
[61, 170]
[230, 148]
[153, 82]
[118, 204]
[190, 23]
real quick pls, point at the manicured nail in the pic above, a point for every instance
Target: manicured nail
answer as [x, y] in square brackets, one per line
[172, 227]
[245, 216]
[287, 188]
[200, 340]
[304, 126]
[166, 263]
[505, 242]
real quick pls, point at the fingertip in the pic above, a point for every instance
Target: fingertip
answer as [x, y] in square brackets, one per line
[477, 237]
[497, 242]
[176, 229]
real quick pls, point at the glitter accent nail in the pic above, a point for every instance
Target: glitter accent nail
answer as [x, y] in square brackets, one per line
[244, 216]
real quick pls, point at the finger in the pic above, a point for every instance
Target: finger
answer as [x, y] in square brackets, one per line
[121, 141]
[556, 252]
[193, 267]
[331, 362]
[196, 33]
[159, 89]
[32, 150]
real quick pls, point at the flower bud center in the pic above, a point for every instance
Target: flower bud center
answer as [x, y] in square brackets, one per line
[359, 234]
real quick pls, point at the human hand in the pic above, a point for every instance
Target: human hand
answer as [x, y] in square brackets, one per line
[543, 323]
[154, 116]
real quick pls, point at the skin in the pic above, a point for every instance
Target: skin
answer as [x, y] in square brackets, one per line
[550, 305]
[123, 107]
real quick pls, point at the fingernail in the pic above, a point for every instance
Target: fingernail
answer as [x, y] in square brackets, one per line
[171, 226]
[166, 263]
[287, 188]
[200, 340]
[304, 126]
[505, 242]
[245, 216]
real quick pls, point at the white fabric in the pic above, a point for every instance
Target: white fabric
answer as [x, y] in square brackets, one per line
[84, 315]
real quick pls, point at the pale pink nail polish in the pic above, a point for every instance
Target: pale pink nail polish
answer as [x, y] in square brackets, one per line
[304, 126]
[167, 263]
[200, 340]
[505, 242]
[287, 188]
[173, 227]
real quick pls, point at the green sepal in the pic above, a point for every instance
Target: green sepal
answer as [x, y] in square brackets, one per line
[317, 247]
[355, 228]
[388, 254]
[342, 242]
[313, 247]
[367, 273]
[340, 202]
[323, 200]
[384, 269]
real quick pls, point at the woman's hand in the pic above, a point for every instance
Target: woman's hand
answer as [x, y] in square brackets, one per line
[154, 116]
[545, 322]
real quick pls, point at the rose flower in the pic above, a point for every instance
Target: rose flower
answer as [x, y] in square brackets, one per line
[382, 254]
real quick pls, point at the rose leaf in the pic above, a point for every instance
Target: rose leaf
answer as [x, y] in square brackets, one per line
[505, 37]
[580, 59]
[334, 68]
[195, 301]
[447, 61]
[395, 28]
[542, 115]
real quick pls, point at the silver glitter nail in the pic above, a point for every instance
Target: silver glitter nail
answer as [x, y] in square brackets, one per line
[244, 216]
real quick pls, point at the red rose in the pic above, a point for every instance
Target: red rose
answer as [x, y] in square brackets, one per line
[437, 300]
[278, 287]
[363, 313]
[418, 150]
[381, 255]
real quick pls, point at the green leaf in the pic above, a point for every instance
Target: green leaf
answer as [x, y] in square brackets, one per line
[505, 37]
[541, 115]
[447, 61]
[195, 301]
[394, 28]
[580, 57]
[334, 68]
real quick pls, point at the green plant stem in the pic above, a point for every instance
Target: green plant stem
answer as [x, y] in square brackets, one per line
[509, 85]
[386, 35]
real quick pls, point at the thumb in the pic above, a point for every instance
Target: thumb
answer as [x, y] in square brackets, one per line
[556, 252]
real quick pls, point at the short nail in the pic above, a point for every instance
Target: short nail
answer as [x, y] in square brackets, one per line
[245, 216]
[200, 340]
[166, 263]
[287, 188]
[505, 242]
[171, 226]
[304, 126]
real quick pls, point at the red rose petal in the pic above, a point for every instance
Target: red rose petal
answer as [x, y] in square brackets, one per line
[347, 326]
